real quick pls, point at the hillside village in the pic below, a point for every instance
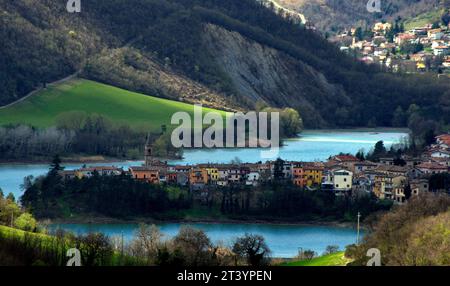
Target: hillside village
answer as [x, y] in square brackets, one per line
[420, 49]
[392, 178]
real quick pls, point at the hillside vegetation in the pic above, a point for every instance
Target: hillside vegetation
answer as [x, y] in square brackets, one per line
[237, 54]
[45, 108]
[334, 16]
[414, 234]
[421, 20]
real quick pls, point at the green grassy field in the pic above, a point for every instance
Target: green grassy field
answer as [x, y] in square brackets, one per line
[121, 106]
[9, 232]
[48, 241]
[423, 19]
[336, 259]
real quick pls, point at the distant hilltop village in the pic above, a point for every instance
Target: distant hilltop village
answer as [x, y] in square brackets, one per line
[394, 178]
[292, 15]
[420, 49]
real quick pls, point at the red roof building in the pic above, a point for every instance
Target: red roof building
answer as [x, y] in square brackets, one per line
[432, 168]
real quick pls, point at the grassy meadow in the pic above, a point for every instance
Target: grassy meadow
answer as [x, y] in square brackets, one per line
[423, 19]
[335, 259]
[140, 111]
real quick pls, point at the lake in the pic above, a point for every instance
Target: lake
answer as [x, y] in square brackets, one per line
[283, 240]
[310, 146]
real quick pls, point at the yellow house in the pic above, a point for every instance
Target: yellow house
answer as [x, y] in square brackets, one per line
[312, 174]
[382, 27]
[421, 66]
[213, 172]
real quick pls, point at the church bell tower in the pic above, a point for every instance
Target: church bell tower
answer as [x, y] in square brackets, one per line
[148, 152]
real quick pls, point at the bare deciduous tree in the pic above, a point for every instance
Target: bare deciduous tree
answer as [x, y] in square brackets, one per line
[146, 243]
[252, 248]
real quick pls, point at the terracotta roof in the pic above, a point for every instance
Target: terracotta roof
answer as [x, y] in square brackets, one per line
[432, 166]
[445, 138]
[144, 169]
[393, 169]
[99, 168]
[179, 167]
[366, 163]
[313, 165]
[440, 160]
[406, 36]
[346, 158]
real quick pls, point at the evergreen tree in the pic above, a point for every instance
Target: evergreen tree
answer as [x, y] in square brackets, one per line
[399, 119]
[278, 174]
[378, 151]
[11, 197]
[430, 137]
[55, 166]
[359, 34]
[360, 155]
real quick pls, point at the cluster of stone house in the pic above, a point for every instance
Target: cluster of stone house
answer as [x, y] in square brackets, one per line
[342, 174]
[87, 172]
[203, 175]
[379, 49]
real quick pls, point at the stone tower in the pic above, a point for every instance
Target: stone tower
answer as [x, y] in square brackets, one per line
[148, 152]
[150, 159]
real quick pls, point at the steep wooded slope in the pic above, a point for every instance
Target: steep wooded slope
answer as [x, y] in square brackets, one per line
[230, 53]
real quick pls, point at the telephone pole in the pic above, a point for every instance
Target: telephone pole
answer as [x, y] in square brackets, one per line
[358, 228]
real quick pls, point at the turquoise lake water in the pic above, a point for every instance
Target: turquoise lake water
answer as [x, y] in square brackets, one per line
[284, 240]
[310, 146]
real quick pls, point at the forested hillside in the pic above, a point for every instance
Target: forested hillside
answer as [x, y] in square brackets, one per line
[210, 51]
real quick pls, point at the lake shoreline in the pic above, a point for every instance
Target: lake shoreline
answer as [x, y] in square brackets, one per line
[99, 159]
[283, 238]
[75, 160]
[212, 221]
